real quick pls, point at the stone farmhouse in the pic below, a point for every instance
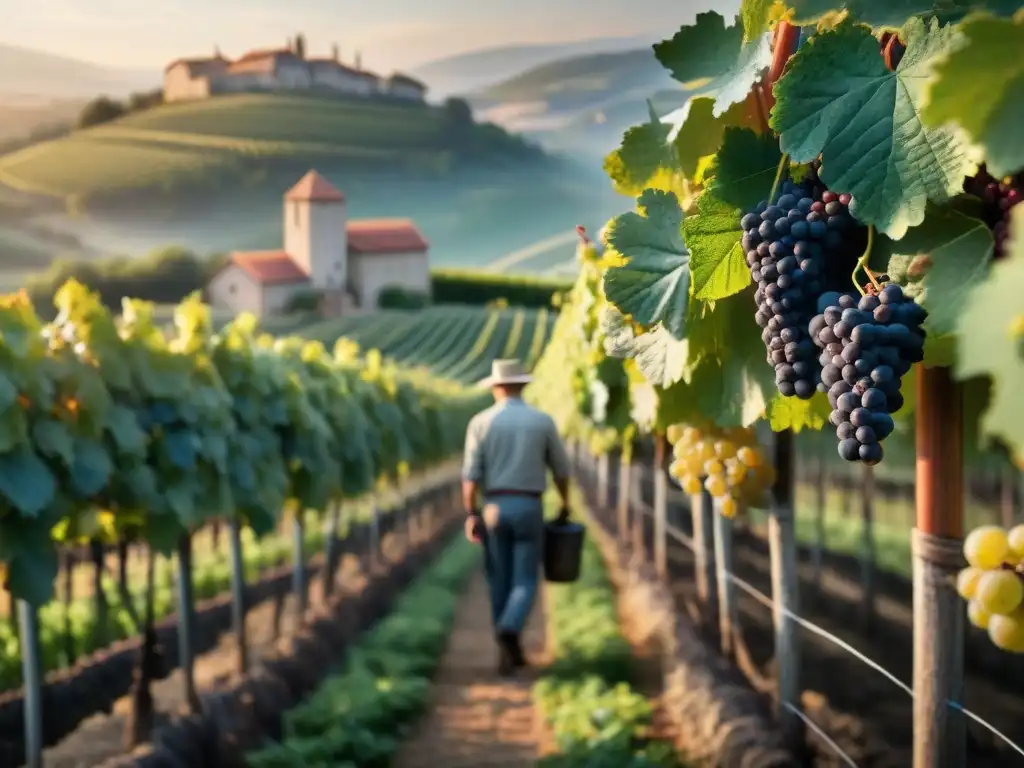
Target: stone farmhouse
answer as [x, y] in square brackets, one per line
[282, 69]
[346, 264]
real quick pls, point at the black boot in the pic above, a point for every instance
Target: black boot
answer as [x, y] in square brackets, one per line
[516, 647]
[506, 654]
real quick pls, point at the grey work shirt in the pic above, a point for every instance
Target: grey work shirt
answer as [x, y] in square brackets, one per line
[510, 446]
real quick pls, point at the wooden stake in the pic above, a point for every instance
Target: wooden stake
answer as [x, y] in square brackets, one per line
[660, 507]
[625, 488]
[602, 481]
[940, 732]
[702, 515]
[728, 613]
[785, 592]
[867, 551]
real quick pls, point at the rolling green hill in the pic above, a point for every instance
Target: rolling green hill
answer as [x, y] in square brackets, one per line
[455, 342]
[199, 144]
[581, 80]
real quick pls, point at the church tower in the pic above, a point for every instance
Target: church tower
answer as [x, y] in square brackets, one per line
[315, 236]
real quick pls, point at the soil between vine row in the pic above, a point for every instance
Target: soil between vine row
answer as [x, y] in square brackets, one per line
[101, 737]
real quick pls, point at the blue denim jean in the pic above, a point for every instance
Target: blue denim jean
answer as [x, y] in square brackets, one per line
[513, 548]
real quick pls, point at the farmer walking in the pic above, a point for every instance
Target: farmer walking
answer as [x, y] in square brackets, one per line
[509, 449]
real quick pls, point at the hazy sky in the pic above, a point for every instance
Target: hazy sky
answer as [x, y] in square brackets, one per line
[129, 33]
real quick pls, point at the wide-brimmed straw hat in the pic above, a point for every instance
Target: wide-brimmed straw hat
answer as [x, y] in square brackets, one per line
[506, 372]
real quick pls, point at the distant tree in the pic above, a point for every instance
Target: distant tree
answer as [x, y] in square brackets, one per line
[457, 111]
[142, 100]
[335, 52]
[100, 110]
[300, 45]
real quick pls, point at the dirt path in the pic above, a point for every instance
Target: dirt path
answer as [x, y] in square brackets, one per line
[476, 718]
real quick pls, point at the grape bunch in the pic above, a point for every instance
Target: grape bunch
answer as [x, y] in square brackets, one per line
[998, 198]
[798, 246]
[732, 463]
[867, 346]
[993, 584]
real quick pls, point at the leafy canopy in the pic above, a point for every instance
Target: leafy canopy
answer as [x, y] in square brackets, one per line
[653, 286]
[978, 86]
[837, 99]
[993, 318]
[712, 59]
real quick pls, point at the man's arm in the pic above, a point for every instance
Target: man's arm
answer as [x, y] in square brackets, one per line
[559, 463]
[472, 466]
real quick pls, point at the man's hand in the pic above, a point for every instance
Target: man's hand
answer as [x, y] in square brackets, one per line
[474, 528]
[563, 515]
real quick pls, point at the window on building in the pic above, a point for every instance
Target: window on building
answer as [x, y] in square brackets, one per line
[232, 289]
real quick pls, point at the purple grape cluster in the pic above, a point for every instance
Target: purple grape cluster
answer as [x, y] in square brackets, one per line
[998, 199]
[867, 346]
[798, 246]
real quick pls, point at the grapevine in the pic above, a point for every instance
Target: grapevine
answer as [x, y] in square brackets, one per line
[156, 431]
[993, 584]
[728, 463]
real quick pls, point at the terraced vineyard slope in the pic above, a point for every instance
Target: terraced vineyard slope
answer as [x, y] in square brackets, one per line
[178, 144]
[456, 342]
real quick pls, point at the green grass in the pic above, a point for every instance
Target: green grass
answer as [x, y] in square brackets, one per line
[179, 141]
[455, 342]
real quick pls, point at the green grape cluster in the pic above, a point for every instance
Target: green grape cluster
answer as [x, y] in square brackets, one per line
[993, 584]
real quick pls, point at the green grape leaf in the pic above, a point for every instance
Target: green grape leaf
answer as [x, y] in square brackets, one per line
[696, 132]
[883, 13]
[941, 262]
[991, 329]
[645, 150]
[124, 428]
[8, 392]
[717, 261]
[91, 468]
[162, 532]
[729, 392]
[745, 168]
[26, 482]
[53, 439]
[755, 16]
[837, 99]
[261, 521]
[711, 58]
[654, 284]
[180, 448]
[32, 570]
[796, 414]
[13, 429]
[662, 359]
[979, 86]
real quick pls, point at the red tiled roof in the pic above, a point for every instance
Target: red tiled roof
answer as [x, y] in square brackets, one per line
[385, 236]
[264, 54]
[269, 267]
[314, 188]
[200, 63]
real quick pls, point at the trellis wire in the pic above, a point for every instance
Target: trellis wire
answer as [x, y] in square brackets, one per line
[765, 600]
